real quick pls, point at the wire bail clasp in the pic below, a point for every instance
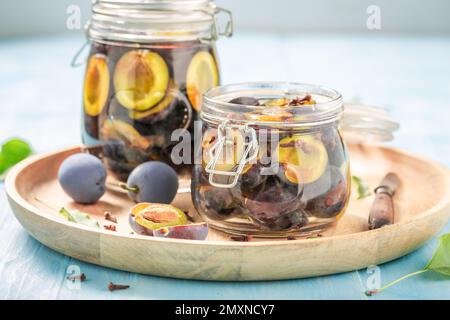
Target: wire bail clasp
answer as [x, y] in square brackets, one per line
[77, 60]
[216, 32]
[224, 139]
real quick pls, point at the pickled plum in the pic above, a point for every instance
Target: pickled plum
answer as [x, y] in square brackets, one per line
[141, 78]
[288, 221]
[302, 158]
[230, 154]
[96, 85]
[334, 144]
[159, 111]
[219, 203]
[120, 130]
[202, 75]
[272, 200]
[250, 179]
[247, 101]
[327, 197]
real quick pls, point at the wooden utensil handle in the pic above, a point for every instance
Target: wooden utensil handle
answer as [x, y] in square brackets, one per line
[382, 211]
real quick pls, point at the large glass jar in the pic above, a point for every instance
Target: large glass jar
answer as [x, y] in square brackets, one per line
[272, 161]
[150, 61]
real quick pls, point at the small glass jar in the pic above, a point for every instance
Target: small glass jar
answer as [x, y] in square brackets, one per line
[150, 61]
[273, 162]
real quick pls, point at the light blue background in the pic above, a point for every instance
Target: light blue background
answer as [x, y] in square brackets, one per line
[26, 17]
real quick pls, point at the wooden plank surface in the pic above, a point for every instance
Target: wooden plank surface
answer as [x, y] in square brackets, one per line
[40, 100]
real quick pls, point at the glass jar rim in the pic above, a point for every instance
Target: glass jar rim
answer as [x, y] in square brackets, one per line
[328, 108]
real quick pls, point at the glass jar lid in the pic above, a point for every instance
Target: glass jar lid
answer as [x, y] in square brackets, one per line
[144, 21]
[367, 124]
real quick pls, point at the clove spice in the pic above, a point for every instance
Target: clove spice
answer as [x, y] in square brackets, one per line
[110, 227]
[110, 217]
[114, 287]
[79, 277]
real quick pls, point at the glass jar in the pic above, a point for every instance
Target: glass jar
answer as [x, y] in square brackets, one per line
[150, 61]
[272, 162]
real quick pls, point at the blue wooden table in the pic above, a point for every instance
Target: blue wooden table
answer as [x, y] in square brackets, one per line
[40, 99]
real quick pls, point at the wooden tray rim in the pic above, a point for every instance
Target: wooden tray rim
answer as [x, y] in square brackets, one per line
[13, 195]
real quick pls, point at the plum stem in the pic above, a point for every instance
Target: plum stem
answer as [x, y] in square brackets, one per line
[372, 292]
[124, 186]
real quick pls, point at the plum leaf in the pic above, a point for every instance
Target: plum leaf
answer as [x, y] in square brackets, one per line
[15, 150]
[79, 217]
[440, 263]
[12, 152]
[361, 187]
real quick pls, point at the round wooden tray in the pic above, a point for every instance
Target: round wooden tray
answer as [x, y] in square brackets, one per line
[422, 206]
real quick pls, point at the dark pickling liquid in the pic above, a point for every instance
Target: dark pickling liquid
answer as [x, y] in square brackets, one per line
[270, 204]
[135, 141]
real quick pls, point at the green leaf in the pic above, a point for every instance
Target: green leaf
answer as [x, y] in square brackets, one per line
[361, 187]
[4, 165]
[15, 150]
[12, 152]
[78, 217]
[440, 262]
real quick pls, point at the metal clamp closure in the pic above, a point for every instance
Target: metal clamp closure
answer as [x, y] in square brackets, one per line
[225, 138]
[215, 30]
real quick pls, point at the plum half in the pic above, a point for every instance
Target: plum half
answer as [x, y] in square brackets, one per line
[327, 197]
[157, 112]
[231, 152]
[141, 78]
[123, 131]
[202, 75]
[276, 206]
[302, 158]
[96, 85]
[146, 217]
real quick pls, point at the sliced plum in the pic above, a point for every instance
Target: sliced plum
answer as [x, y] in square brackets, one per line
[250, 179]
[96, 85]
[246, 101]
[159, 111]
[272, 200]
[231, 152]
[219, 203]
[202, 75]
[123, 131]
[141, 78]
[302, 158]
[327, 196]
[146, 217]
